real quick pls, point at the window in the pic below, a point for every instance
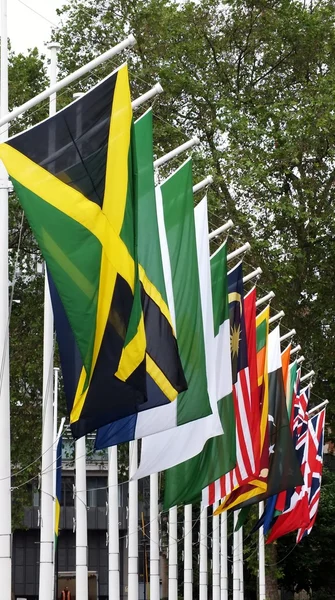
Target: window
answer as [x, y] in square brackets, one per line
[36, 496]
[96, 491]
[67, 491]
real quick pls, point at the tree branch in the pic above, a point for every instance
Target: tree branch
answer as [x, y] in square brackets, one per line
[273, 68]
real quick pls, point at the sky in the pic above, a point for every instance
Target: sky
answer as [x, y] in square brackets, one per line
[26, 28]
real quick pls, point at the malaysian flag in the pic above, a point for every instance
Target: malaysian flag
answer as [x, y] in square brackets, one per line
[240, 309]
[248, 415]
[315, 459]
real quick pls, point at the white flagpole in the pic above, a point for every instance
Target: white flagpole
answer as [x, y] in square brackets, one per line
[202, 184]
[245, 248]
[133, 525]
[46, 580]
[173, 554]
[56, 436]
[216, 555]
[156, 89]
[256, 273]
[241, 570]
[276, 317]
[318, 407]
[6, 117]
[288, 335]
[224, 556]
[266, 298]
[236, 571]
[307, 376]
[154, 539]
[175, 152]
[203, 566]
[5, 467]
[81, 521]
[55, 433]
[221, 229]
[261, 556]
[188, 571]
[113, 526]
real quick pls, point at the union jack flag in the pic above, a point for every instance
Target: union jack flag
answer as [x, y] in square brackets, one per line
[300, 418]
[315, 459]
[301, 444]
[294, 502]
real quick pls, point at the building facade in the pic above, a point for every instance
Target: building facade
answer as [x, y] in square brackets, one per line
[25, 554]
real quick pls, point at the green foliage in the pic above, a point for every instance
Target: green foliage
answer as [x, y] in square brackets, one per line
[27, 77]
[255, 81]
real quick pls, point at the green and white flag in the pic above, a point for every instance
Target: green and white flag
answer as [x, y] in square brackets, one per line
[169, 448]
[185, 481]
[175, 213]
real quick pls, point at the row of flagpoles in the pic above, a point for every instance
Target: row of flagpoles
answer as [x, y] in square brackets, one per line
[49, 441]
[46, 579]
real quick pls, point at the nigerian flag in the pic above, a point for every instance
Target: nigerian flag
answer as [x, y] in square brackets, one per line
[201, 443]
[183, 275]
[185, 482]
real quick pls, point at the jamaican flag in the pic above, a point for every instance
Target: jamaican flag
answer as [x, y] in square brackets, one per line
[76, 178]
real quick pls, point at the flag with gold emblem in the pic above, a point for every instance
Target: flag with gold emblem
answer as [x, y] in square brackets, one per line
[245, 460]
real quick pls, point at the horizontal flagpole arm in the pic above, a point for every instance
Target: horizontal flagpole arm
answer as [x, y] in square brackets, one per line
[239, 251]
[276, 317]
[202, 184]
[60, 430]
[287, 335]
[164, 159]
[318, 407]
[264, 299]
[127, 43]
[307, 376]
[154, 91]
[295, 349]
[256, 273]
[300, 360]
[221, 229]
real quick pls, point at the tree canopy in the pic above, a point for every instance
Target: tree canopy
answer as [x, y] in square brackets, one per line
[254, 80]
